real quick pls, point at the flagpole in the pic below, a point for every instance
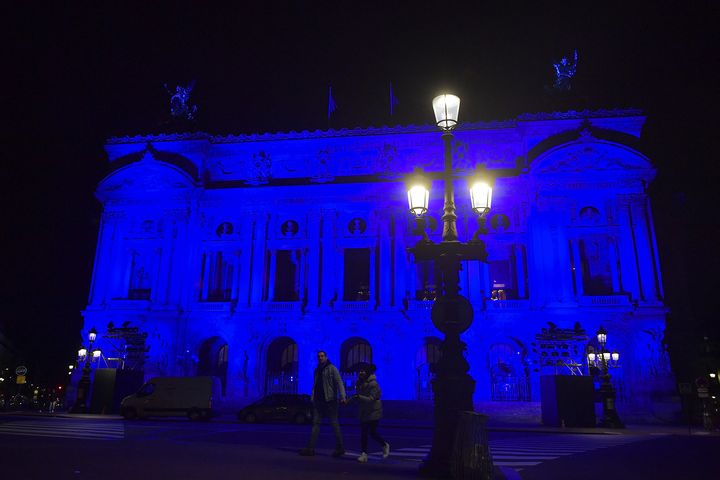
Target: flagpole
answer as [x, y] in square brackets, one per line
[332, 106]
[393, 100]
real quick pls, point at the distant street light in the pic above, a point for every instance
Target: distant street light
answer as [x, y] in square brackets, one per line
[601, 363]
[84, 384]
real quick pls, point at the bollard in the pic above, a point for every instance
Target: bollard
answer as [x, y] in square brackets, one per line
[471, 458]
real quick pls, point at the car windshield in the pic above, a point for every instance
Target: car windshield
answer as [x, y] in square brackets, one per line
[146, 390]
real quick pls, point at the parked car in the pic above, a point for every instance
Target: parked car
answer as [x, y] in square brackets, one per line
[20, 403]
[283, 407]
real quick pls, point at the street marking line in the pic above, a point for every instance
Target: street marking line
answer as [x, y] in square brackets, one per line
[78, 437]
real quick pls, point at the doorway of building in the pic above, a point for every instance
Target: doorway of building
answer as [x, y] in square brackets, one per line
[509, 381]
[213, 360]
[425, 363]
[281, 372]
[353, 351]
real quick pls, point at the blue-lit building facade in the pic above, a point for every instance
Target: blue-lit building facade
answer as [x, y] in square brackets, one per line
[241, 256]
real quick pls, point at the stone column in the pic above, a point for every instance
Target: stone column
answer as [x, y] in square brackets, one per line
[206, 261]
[400, 264]
[246, 259]
[328, 273]
[165, 263]
[612, 258]
[271, 276]
[313, 258]
[474, 289]
[257, 260]
[628, 257]
[385, 265]
[577, 262]
[105, 250]
[653, 247]
[485, 288]
[644, 248]
[519, 251]
[562, 269]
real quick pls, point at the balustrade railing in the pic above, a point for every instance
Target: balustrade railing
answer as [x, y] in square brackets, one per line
[351, 306]
[604, 301]
[420, 304]
[282, 306]
[507, 304]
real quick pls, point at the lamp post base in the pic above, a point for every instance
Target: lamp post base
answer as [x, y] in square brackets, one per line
[453, 395]
[610, 416]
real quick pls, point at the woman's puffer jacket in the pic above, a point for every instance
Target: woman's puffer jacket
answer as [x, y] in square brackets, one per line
[368, 398]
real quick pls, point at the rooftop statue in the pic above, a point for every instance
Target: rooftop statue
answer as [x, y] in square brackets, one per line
[180, 102]
[564, 71]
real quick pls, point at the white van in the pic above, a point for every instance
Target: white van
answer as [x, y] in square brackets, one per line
[171, 397]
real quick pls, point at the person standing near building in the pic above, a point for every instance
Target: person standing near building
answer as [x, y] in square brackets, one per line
[370, 409]
[327, 386]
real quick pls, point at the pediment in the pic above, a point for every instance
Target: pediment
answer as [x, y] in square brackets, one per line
[587, 156]
[146, 176]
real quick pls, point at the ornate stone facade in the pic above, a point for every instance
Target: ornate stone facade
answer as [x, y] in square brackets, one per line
[242, 256]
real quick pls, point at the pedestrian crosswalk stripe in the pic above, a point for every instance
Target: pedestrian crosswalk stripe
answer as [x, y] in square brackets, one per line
[59, 433]
[520, 453]
[62, 428]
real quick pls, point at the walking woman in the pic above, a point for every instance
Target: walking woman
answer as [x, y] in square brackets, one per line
[370, 407]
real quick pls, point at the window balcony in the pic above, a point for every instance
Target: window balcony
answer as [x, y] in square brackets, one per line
[604, 301]
[351, 306]
[420, 304]
[282, 306]
[213, 306]
[129, 304]
[507, 305]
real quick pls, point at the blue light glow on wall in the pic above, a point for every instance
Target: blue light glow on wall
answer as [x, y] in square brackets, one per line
[241, 256]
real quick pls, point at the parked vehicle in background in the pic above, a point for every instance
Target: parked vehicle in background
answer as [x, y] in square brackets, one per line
[278, 407]
[20, 402]
[171, 397]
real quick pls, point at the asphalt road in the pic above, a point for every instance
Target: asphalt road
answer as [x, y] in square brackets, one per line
[107, 448]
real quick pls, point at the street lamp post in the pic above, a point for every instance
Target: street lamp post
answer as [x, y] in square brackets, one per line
[602, 361]
[88, 355]
[451, 313]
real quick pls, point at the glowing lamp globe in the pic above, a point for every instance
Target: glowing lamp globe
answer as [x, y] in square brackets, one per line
[92, 335]
[591, 357]
[82, 352]
[418, 196]
[481, 197]
[606, 356]
[602, 336]
[96, 354]
[447, 108]
[615, 356]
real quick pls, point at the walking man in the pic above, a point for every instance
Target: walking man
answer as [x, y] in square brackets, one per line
[327, 386]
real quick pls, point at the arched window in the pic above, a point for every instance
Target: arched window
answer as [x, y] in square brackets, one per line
[426, 362]
[281, 374]
[508, 376]
[352, 352]
[213, 360]
[589, 216]
[224, 229]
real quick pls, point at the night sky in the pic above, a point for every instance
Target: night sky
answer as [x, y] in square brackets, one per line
[74, 77]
